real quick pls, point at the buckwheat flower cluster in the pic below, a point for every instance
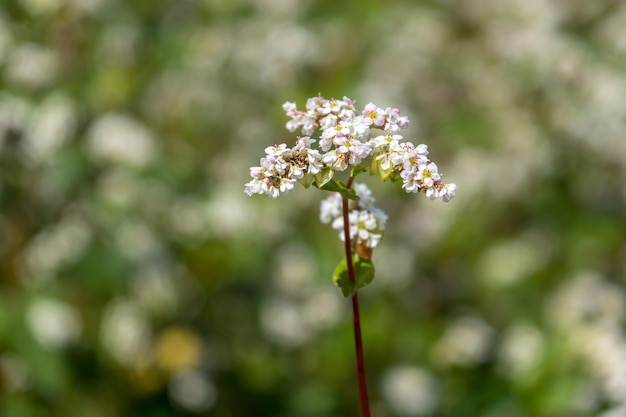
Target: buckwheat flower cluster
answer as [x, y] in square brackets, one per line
[282, 167]
[346, 139]
[367, 222]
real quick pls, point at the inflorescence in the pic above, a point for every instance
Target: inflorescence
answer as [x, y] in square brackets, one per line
[346, 140]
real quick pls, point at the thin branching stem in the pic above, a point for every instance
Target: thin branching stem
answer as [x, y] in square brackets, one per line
[356, 319]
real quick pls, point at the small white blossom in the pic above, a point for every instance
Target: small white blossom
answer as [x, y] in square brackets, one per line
[447, 192]
[373, 115]
[54, 324]
[366, 200]
[394, 121]
[428, 173]
[353, 149]
[385, 142]
[367, 223]
[330, 208]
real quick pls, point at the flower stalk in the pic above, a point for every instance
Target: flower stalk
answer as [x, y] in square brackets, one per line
[356, 318]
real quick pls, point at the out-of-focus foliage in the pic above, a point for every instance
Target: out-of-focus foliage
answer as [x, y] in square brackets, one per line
[136, 278]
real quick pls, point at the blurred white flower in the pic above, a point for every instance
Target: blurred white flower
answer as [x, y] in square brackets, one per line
[120, 139]
[323, 308]
[269, 54]
[309, 308]
[589, 310]
[603, 347]
[188, 217]
[509, 262]
[57, 246]
[585, 299]
[31, 65]
[51, 125]
[466, 342]
[125, 332]
[521, 348]
[137, 240]
[118, 187]
[294, 270]
[394, 266]
[154, 290]
[410, 391]
[284, 323]
[230, 215]
[53, 323]
[193, 390]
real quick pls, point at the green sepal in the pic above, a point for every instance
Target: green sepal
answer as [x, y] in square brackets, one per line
[323, 177]
[376, 169]
[338, 187]
[307, 180]
[374, 164]
[384, 173]
[363, 271]
[395, 175]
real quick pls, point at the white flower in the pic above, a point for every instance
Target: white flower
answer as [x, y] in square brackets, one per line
[54, 324]
[51, 125]
[432, 193]
[408, 154]
[330, 208]
[269, 180]
[366, 200]
[125, 332]
[289, 107]
[447, 192]
[328, 122]
[385, 142]
[410, 391]
[32, 65]
[367, 223]
[467, 341]
[117, 138]
[193, 390]
[337, 161]
[428, 173]
[373, 115]
[394, 121]
[365, 227]
[410, 182]
[353, 149]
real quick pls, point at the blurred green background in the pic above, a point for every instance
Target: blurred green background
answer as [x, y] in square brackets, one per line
[137, 279]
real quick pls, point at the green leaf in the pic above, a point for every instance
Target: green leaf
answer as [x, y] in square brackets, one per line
[342, 279]
[363, 270]
[337, 186]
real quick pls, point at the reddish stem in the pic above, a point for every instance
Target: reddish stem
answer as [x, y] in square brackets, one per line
[356, 320]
